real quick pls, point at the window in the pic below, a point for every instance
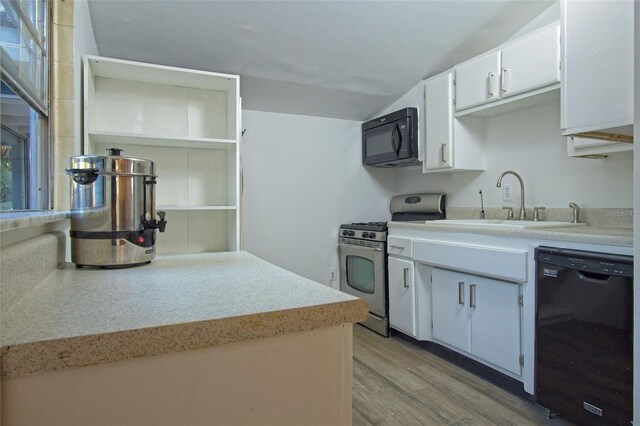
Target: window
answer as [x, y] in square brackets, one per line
[24, 110]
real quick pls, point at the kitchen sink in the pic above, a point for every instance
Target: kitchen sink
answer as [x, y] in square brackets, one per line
[506, 223]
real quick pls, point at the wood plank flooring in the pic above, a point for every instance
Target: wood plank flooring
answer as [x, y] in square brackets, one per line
[398, 383]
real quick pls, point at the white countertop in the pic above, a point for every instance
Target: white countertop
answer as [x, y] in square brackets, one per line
[174, 303]
[578, 234]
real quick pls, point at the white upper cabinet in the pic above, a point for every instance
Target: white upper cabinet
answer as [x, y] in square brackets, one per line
[188, 123]
[597, 72]
[526, 66]
[530, 62]
[451, 144]
[477, 81]
[439, 122]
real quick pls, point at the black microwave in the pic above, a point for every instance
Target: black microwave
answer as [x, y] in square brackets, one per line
[391, 140]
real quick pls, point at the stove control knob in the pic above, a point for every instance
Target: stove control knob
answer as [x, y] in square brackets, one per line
[345, 232]
[352, 233]
[365, 234]
[372, 234]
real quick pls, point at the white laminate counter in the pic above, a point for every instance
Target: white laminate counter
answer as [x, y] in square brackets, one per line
[578, 234]
[80, 317]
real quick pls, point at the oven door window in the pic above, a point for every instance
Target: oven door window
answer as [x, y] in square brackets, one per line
[361, 274]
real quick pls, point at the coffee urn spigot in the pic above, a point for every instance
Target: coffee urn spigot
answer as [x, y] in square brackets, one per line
[160, 225]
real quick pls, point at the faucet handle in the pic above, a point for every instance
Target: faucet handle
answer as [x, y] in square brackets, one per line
[536, 213]
[509, 212]
[576, 213]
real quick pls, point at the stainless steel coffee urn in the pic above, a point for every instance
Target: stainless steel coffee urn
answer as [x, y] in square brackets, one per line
[113, 213]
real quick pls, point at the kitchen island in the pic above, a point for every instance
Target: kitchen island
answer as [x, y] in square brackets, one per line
[194, 339]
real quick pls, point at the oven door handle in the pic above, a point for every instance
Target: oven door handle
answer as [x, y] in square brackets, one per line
[353, 246]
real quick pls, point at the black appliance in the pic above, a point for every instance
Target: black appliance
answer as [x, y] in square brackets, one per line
[391, 140]
[363, 254]
[584, 335]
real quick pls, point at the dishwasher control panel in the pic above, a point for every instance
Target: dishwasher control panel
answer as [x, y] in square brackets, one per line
[599, 263]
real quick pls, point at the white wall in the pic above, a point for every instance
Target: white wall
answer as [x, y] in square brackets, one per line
[303, 177]
[85, 44]
[529, 142]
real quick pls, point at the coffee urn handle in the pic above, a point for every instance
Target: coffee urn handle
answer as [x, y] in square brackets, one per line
[83, 176]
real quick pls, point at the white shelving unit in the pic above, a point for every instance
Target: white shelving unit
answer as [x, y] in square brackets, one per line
[188, 123]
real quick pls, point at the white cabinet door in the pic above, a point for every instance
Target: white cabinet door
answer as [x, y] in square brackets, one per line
[478, 315]
[402, 296]
[531, 62]
[450, 308]
[438, 92]
[597, 66]
[495, 322]
[477, 81]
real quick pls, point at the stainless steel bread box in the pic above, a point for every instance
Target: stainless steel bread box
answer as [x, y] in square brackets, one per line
[113, 213]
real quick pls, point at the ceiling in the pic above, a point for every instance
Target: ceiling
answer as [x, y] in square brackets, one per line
[342, 59]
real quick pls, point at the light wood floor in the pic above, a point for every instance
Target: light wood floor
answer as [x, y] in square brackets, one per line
[398, 383]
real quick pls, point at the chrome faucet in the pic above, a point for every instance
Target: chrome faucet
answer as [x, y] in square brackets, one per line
[575, 213]
[523, 213]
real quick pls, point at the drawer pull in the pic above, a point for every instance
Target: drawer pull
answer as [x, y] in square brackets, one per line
[405, 276]
[472, 296]
[461, 293]
[397, 247]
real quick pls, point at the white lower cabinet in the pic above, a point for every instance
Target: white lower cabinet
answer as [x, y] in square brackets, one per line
[479, 316]
[402, 296]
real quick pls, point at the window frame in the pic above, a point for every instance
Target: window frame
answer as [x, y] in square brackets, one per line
[37, 170]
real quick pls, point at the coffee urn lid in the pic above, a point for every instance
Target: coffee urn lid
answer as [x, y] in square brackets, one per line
[113, 163]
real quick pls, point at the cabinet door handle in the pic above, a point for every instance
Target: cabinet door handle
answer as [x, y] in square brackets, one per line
[396, 247]
[444, 153]
[461, 293]
[472, 296]
[490, 81]
[503, 81]
[405, 276]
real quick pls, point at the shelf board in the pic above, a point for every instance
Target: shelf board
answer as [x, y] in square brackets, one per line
[119, 138]
[160, 74]
[544, 95]
[190, 208]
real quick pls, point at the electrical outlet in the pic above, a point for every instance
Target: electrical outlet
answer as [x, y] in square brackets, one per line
[333, 274]
[507, 192]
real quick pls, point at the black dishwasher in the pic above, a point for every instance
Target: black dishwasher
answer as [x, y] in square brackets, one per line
[584, 329]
